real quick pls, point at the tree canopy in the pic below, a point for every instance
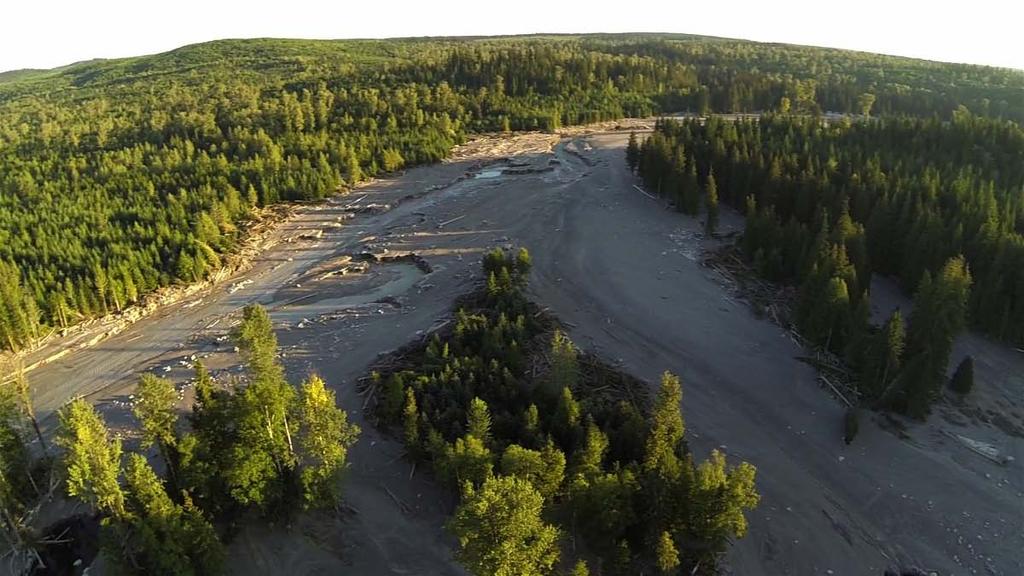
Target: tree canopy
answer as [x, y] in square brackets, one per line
[150, 168]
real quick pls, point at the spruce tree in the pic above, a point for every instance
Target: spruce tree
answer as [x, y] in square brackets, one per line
[711, 203]
[632, 152]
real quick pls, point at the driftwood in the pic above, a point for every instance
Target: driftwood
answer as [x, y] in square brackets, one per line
[777, 303]
[401, 505]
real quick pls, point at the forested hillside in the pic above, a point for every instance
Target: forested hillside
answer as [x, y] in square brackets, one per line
[118, 177]
[937, 204]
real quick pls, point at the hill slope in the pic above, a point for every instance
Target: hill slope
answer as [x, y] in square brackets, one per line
[120, 176]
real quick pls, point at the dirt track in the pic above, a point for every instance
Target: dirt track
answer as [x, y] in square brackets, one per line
[624, 274]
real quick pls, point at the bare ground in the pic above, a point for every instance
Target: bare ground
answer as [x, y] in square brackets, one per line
[623, 273]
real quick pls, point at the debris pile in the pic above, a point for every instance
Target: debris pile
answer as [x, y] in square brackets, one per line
[740, 279]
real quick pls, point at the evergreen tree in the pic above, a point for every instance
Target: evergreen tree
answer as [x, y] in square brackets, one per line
[711, 202]
[940, 313]
[467, 461]
[479, 420]
[632, 152]
[17, 486]
[564, 364]
[159, 536]
[666, 555]
[718, 499]
[881, 360]
[664, 444]
[410, 419]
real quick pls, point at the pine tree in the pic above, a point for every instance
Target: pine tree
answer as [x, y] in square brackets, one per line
[17, 486]
[632, 152]
[564, 363]
[881, 360]
[711, 201]
[717, 501]
[940, 313]
[588, 461]
[466, 461]
[661, 455]
[161, 537]
[478, 419]
[580, 569]
[410, 419]
[666, 556]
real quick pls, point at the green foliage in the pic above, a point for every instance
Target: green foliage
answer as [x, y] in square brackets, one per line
[963, 378]
[19, 316]
[324, 437]
[543, 469]
[467, 461]
[17, 487]
[715, 513]
[92, 459]
[567, 416]
[881, 360]
[580, 569]
[155, 410]
[711, 201]
[848, 199]
[665, 554]
[478, 422]
[933, 203]
[661, 455]
[151, 167]
[263, 461]
[632, 152]
[411, 419]
[392, 397]
[589, 460]
[564, 365]
[605, 507]
[265, 448]
[159, 536]
[626, 482]
[940, 313]
[501, 531]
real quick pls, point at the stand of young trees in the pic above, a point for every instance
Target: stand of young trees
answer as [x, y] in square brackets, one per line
[267, 449]
[540, 457]
[25, 476]
[123, 176]
[936, 205]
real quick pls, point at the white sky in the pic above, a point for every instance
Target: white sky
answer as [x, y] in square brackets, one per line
[49, 33]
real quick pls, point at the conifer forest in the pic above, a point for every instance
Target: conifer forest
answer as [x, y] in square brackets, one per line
[542, 305]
